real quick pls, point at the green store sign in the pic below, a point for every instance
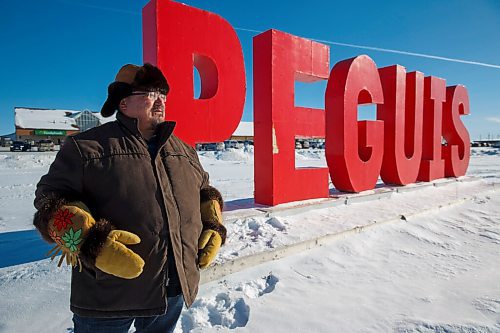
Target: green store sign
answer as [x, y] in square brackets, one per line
[50, 132]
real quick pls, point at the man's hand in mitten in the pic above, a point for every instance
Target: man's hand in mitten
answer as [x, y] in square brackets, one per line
[117, 259]
[71, 225]
[209, 244]
[213, 234]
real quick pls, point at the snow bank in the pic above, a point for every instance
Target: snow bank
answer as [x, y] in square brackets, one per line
[482, 151]
[309, 154]
[231, 154]
[26, 160]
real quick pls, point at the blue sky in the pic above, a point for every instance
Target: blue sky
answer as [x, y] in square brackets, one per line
[63, 54]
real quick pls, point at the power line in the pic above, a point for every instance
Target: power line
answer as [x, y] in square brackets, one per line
[414, 54]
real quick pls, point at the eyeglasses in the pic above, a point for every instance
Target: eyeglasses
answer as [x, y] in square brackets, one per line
[153, 95]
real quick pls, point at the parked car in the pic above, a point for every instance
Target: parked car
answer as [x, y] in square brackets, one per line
[230, 144]
[209, 146]
[220, 146]
[5, 142]
[45, 145]
[315, 144]
[20, 146]
[214, 146]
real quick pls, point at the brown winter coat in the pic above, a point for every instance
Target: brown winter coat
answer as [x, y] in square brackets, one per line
[110, 169]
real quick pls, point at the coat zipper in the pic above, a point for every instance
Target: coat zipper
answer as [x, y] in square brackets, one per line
[165, 266]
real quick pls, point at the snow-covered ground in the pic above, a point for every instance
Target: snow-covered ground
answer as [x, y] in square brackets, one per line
[438, 271]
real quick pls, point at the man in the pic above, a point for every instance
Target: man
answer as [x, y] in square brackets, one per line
[130, 207]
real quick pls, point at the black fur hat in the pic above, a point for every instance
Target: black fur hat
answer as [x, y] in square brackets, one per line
[132, 77]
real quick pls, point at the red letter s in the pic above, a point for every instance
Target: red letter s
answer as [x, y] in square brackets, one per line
[457, 151]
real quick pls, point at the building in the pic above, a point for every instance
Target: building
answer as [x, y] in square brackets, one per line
[35, 124]
[86, 119]
[244, 132]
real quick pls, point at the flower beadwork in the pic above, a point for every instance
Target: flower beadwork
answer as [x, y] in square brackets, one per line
[72, 239]
[55, 236]
[63, 218]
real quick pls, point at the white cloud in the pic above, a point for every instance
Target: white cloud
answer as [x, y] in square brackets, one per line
[494, 119]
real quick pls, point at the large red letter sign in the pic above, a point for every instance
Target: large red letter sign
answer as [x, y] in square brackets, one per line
[178, 37]
[354, 149]
[279, 60]
[457, 151]
[432, 165]
[402, 113]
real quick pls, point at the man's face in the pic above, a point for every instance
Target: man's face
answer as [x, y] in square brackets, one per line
[147, 107]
